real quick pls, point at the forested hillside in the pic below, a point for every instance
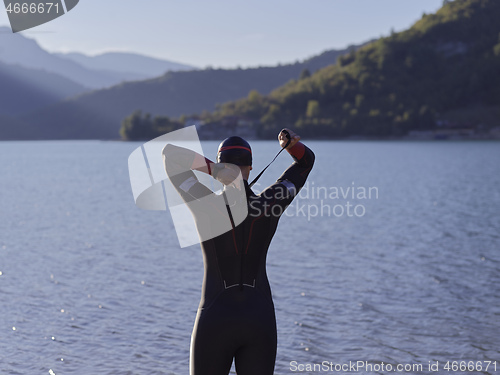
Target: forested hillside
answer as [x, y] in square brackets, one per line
[98, 114]
[446, 62]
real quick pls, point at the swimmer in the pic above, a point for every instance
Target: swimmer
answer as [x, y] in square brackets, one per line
[236, 318]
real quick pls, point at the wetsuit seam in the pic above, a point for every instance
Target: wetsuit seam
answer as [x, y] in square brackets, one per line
[219, 271]
[250, 233]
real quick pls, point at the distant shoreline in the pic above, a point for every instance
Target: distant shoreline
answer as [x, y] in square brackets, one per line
[347, 139]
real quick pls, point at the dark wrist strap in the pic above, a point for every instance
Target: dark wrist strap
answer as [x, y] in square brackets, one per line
[287, 144]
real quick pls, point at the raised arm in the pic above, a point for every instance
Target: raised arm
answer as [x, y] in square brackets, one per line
[288, 185]
[179, 164]
[179, 159]
[303, 157]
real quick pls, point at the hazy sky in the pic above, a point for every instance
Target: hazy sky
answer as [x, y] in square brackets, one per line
[224, 33]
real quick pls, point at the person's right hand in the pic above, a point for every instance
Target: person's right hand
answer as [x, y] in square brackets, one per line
[283, 139]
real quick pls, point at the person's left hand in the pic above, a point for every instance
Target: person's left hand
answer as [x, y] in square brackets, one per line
[283, 139]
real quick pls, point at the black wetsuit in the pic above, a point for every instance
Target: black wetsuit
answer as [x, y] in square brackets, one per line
[236, 314]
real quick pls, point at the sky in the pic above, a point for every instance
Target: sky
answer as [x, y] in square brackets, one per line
[224, 33]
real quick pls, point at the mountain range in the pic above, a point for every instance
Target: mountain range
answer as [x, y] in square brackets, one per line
[91, 114]
[99, 113]
[24, 89]
[130, 65]
[90, 72]
[445, 64]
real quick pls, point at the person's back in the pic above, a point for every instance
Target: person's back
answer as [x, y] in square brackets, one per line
[236, 314]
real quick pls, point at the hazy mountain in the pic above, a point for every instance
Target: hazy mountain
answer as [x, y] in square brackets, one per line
[23, 90]
[130, 63]
[17, 49]
[14, 129]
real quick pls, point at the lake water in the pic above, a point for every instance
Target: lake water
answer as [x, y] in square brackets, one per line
[406, 271]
